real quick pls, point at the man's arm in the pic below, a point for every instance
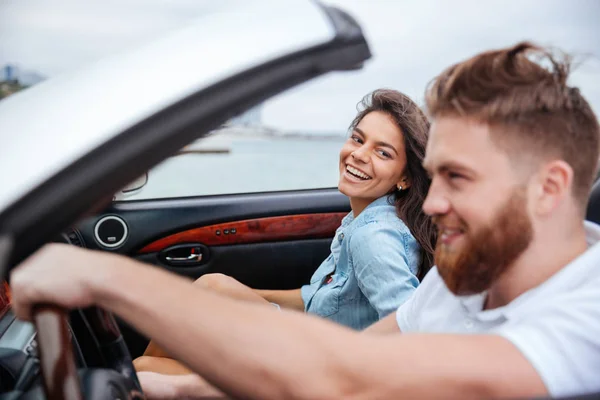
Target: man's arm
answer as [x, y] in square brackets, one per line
[385, 326]
[251, 351]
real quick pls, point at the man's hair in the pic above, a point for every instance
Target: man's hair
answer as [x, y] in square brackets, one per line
[521, 93]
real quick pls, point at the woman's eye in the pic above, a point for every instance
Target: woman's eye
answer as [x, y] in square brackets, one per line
[384, 153]
[356, 139]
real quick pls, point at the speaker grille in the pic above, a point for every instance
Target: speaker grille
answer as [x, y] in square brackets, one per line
[111, 231]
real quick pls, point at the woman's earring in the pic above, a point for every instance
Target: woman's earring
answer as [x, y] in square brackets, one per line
[399, 188]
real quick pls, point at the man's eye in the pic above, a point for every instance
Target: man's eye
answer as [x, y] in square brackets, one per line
[356, 139]
[454, 176]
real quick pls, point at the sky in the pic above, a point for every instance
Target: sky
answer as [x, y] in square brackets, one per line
[411, 42]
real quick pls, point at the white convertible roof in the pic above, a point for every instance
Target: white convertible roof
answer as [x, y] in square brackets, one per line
[47, 127]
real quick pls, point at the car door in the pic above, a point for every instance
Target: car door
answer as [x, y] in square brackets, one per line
[224, 205]
[257, 204]
[265, 240]
[266, 218]
[112, 127]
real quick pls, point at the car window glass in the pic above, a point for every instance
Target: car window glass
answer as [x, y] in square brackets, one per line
[243, 159]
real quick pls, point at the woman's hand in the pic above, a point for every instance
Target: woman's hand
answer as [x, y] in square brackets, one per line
[158, 386]
[171, 387]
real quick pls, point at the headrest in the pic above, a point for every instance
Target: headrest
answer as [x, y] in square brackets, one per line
[593, 210]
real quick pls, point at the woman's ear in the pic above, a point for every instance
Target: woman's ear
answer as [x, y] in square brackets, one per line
[403, 184]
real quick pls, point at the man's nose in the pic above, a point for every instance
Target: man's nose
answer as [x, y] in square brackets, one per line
[436, 202]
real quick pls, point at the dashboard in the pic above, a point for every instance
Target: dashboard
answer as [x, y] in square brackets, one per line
[19, 362]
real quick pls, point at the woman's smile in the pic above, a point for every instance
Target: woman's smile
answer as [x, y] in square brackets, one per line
[353, 174]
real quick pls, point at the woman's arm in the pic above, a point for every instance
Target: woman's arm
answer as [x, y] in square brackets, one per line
[230, 287]
[380, 262]
[161, 365]
[291, 299]
[158, 386]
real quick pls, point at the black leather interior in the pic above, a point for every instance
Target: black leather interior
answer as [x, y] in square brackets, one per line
[593, 210]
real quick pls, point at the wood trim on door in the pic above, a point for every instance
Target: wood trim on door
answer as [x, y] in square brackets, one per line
[270, 229]
[4, 297]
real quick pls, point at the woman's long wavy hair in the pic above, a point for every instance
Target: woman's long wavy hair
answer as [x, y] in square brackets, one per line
[409, 202]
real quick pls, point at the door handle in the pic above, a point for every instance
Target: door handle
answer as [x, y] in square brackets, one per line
[191, 257]
[184, 255]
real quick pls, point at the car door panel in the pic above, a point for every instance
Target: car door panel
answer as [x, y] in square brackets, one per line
[254, 231]
[273, 252]
[272, 265]
[280, 238]
[151, 220]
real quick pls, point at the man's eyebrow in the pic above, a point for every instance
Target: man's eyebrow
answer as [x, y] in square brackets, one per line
[381, 144]
[455, 166]
[445, 166]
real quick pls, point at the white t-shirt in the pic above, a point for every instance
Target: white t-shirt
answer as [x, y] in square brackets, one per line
[556, 325]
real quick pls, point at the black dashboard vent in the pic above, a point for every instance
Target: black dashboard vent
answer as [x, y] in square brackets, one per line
[74, 238]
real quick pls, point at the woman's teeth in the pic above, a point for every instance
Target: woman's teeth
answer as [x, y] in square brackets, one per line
[357, 173]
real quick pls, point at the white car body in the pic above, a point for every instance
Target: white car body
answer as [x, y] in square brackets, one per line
[47, 127]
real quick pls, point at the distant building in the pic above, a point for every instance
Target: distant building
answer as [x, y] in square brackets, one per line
[13, 79]
[10, 73]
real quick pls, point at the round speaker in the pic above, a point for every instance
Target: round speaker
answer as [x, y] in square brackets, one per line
[111, 231]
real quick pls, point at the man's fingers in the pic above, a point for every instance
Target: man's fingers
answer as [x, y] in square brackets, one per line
[20, 308]
[22, 291]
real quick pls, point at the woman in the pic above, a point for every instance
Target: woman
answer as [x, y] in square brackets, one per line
[382, 248]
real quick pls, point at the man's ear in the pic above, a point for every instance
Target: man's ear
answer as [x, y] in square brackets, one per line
[555, 183]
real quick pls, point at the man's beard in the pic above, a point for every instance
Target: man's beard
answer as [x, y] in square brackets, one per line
[488, 252]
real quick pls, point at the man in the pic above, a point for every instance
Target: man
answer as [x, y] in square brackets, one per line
[512, 310]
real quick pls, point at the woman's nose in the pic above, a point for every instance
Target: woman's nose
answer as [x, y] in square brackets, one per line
[359, 155]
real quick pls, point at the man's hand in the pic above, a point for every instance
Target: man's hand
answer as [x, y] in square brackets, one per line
[58, 274]
[176, 387]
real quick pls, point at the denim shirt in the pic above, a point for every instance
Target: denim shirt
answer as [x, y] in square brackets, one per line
[370, 272]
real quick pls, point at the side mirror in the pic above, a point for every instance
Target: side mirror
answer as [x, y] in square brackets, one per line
[136, 184]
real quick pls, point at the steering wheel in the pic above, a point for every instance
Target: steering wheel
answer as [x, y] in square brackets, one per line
[59, 372]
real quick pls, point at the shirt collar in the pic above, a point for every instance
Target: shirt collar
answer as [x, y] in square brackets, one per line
[385, 200]
[592, 232]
